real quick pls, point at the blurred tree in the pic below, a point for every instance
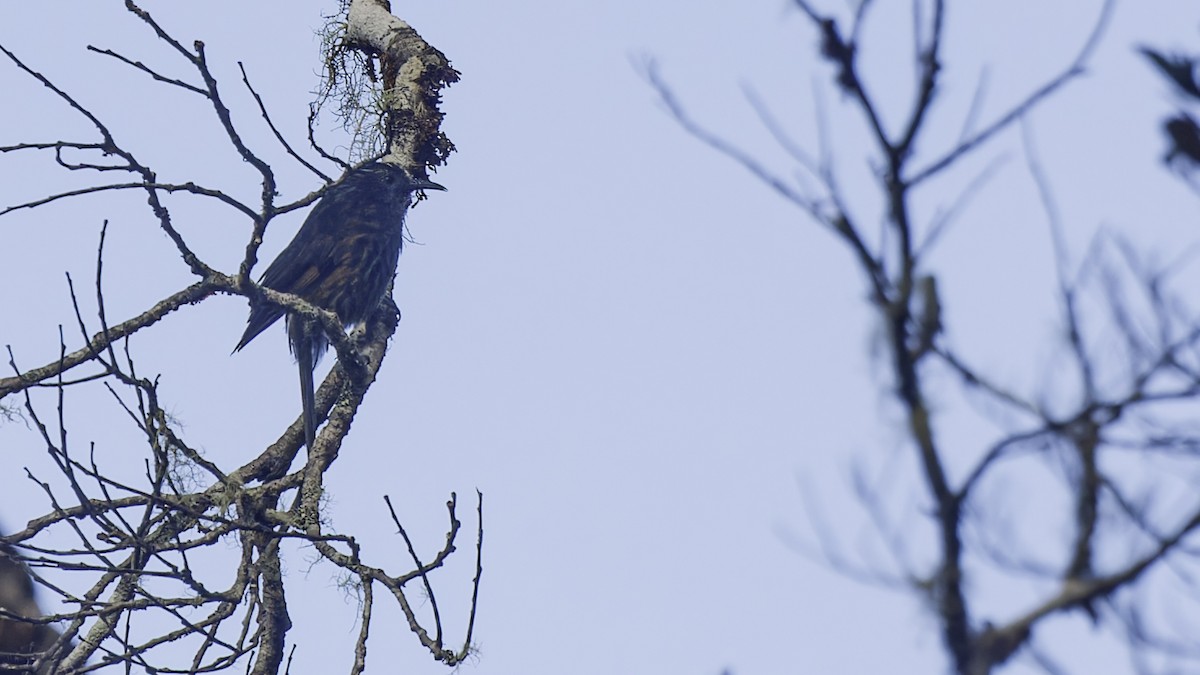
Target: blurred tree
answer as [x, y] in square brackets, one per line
[1133, 357]
[1181, 129]
[136, 547]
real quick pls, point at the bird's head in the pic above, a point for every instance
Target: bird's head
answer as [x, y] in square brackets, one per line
[390, 179]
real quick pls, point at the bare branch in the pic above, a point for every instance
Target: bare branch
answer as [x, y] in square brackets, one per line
[1075, 69]
[149, 71]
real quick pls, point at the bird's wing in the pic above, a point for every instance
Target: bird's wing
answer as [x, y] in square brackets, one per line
[297, 269]
[295, 277]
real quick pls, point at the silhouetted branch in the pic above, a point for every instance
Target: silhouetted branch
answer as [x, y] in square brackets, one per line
[1120, 402]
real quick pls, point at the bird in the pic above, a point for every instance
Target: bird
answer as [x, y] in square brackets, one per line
[341, 260]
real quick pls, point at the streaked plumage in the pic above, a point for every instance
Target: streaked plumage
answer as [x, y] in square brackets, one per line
[341, 259]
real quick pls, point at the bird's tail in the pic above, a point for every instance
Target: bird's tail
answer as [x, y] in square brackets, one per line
[304, 358]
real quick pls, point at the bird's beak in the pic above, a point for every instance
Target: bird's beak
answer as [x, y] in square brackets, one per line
[426, 184]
